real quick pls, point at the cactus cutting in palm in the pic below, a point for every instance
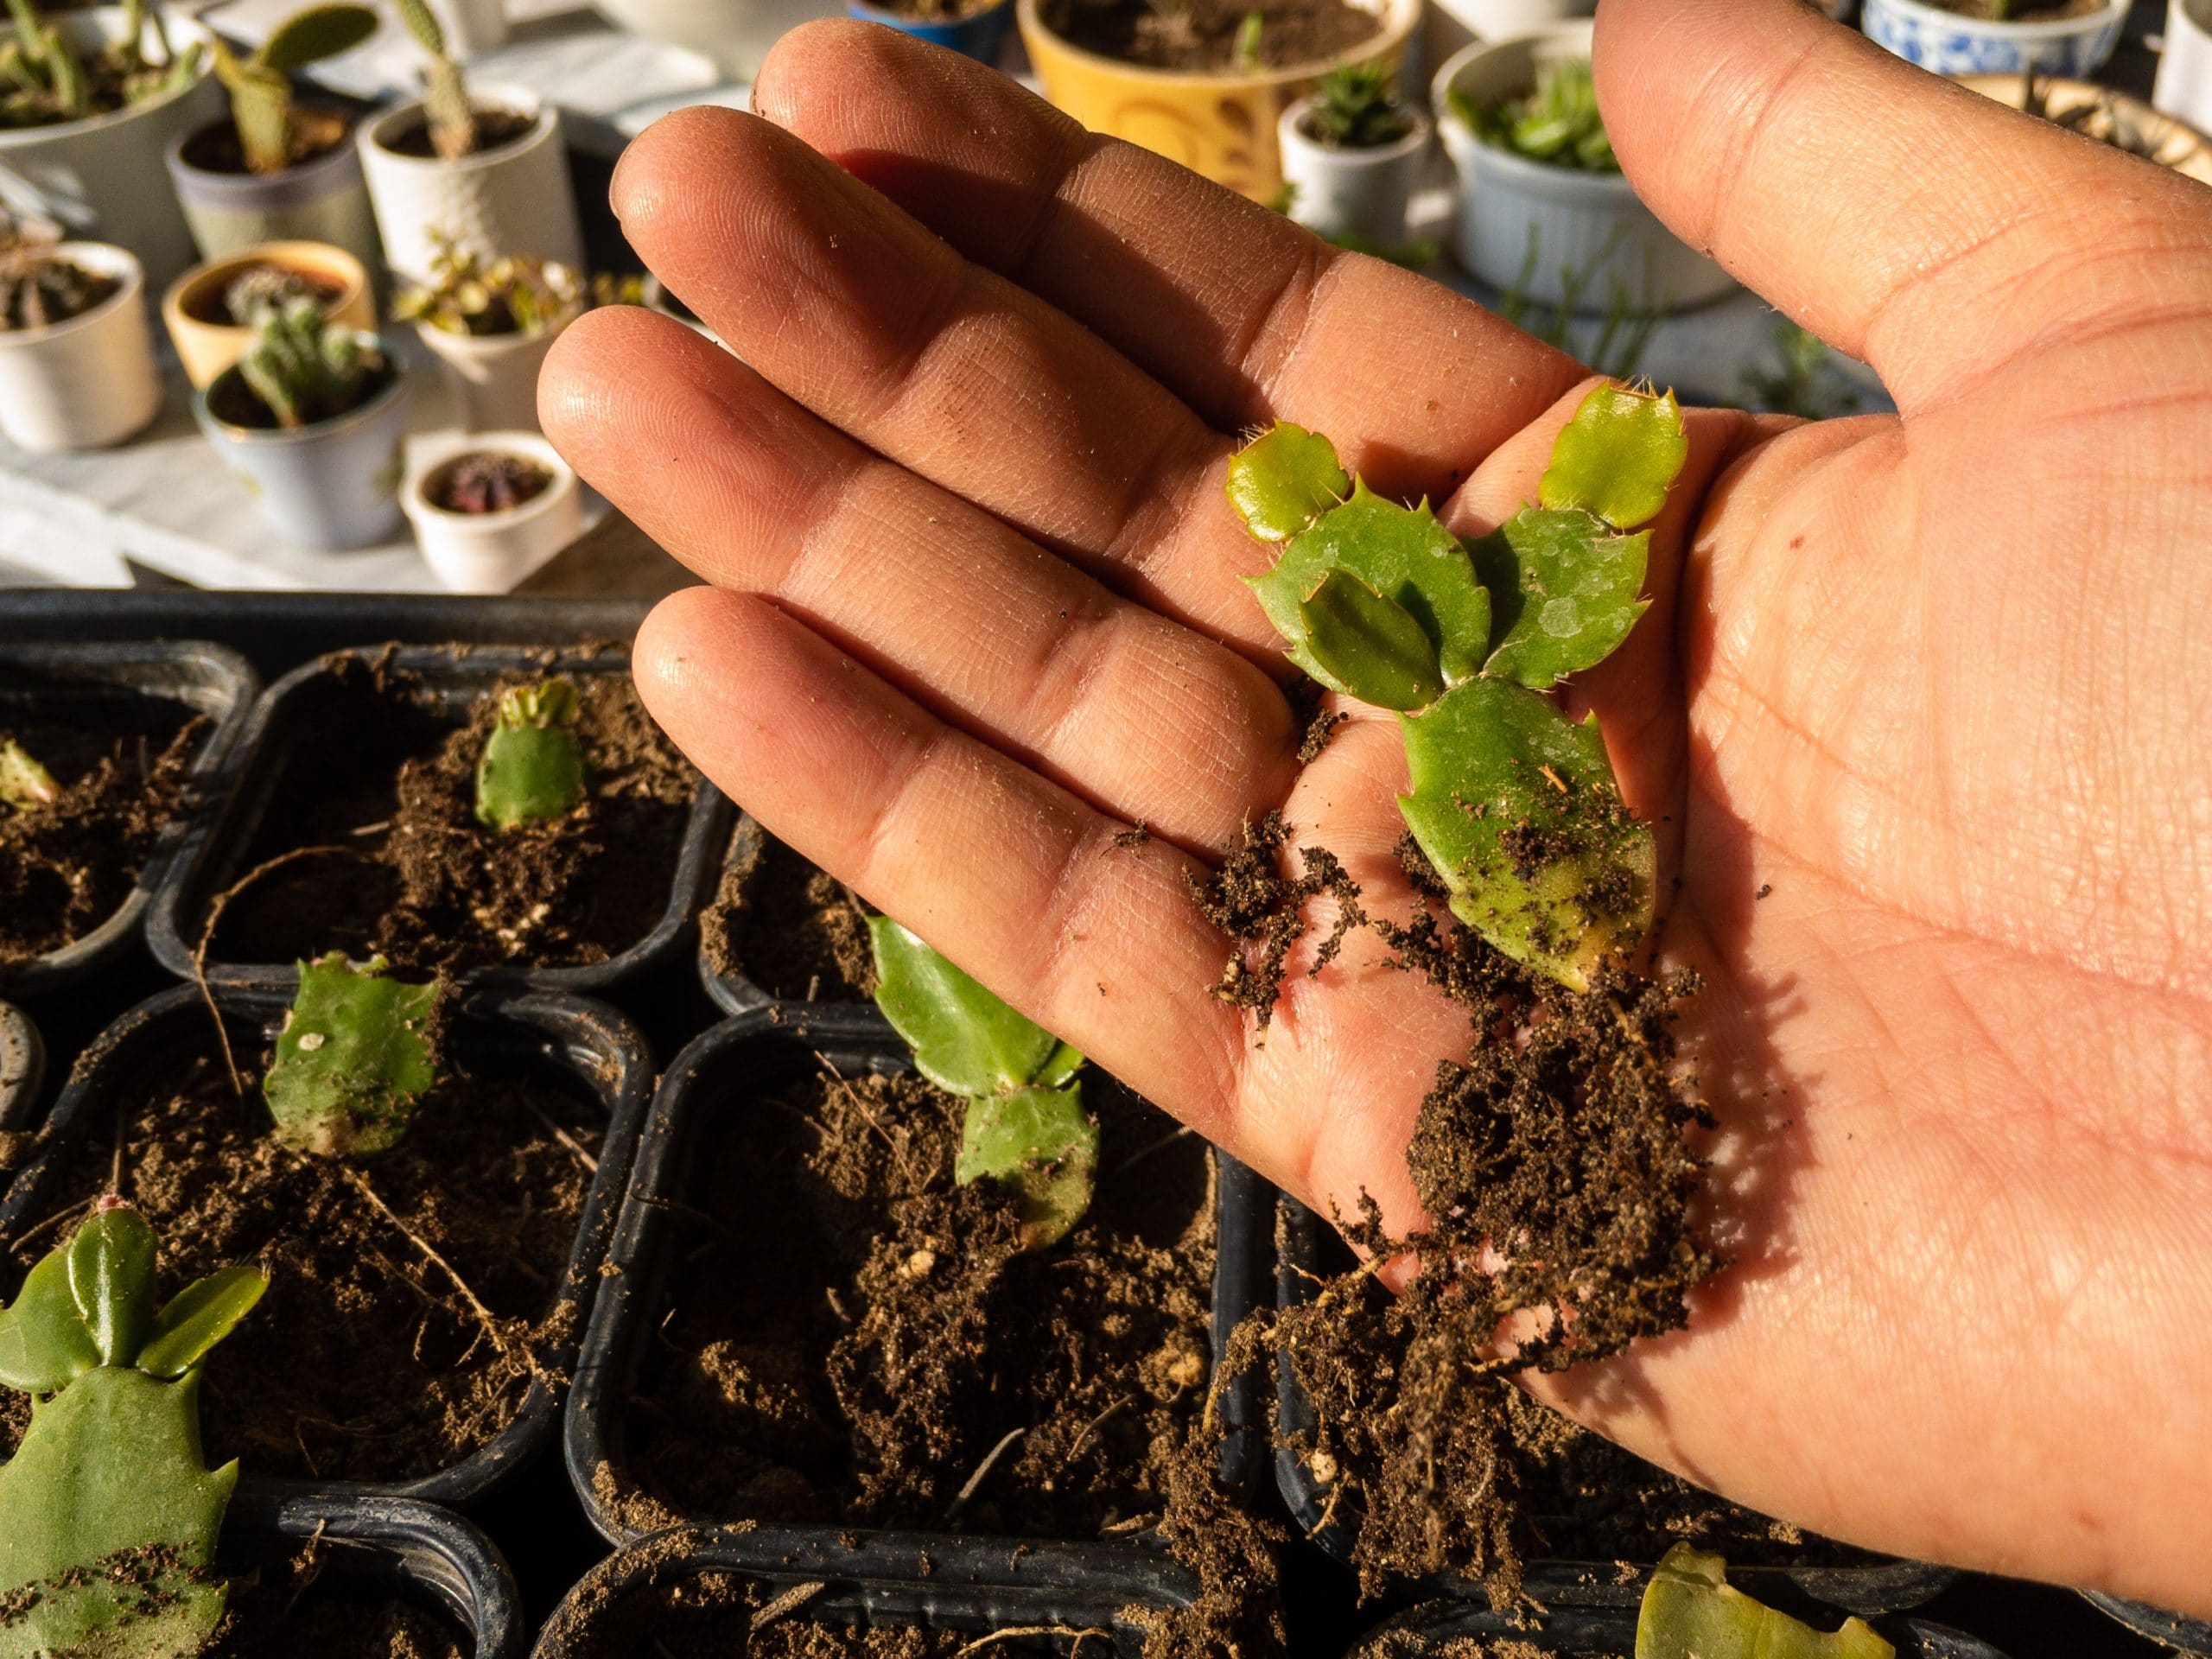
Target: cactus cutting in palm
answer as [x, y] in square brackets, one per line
[532, 769]
[358, 1052]
[109, 1515]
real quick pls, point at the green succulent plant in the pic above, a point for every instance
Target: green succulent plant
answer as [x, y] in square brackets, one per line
[1026, 1127]
[260, 85]
[305, 367]
[1515, 805]
[108, 1514]
[1557, 123]
[1691, 1612]
[24, 784]
[358, 1052]
[532, 769]
[445, 90]
[46, 78]
[515, 293]
[1356, 107]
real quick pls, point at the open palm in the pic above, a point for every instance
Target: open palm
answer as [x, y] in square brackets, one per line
[1930, 684]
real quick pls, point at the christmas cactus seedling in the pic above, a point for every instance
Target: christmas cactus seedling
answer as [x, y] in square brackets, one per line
[1026, 1126]
[1515, 805]
[1692, 1611]
[358, 1052]
[532, 768]
[24, 784]
[108, 1515]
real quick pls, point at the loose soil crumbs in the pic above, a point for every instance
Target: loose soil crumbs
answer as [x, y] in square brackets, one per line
[1413, 1644]
[1264, 912]
[2049, 11]
[1209, 34]
[795, 930]
[303, 1607]
[363, 1361]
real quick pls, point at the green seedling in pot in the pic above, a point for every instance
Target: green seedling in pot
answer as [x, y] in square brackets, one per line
[260, 85]
[1026, 1127]
[1692, 1611]
[24, 784]
[45, 79]
[358, 1052]
[1356, 107]
[108, 1514]
[1558, 123]
[445, 91]
[1515, 805]
[532, 769]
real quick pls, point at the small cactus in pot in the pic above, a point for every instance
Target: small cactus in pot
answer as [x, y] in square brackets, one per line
[445, 89]
[260, 86]
[302, 369]
[491, 482]
[40, 286]
[46, 78]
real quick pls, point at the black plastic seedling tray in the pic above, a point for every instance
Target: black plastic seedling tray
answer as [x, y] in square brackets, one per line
[1885, 1587]
[452, 679]
[2174, 1630]
[208, 679]
[22, 1067]
[415, 1551]
[592, 1046]
[1577, 1631]
[982, 1587]
[710, 1080]
[735, 993]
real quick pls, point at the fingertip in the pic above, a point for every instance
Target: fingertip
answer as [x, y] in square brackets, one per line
[669, 660]
[808, 61]
[592, 365]
[656, 178]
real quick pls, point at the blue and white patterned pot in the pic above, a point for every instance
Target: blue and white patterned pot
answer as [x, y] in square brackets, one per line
[1953, 45]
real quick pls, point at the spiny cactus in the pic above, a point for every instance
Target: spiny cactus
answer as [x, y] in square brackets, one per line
[491, 483]
[303, 367]
[1356, 107]
[262, 290]
[533, 767]
[24, 783]
[445, 91]
[358, 1052]
[260, 86]
[1026, 1127]
[468, 294]
[110, 1513]
[44, 79]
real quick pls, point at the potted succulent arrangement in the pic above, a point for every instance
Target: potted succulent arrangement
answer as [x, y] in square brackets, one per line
[1351, 155]
[76, 355]
[490, 509]
[93, 99]
[1999, 37]
[489, 320]
[1204, 82]
[278, 169]
[210, 310]
[1543, 205]
[311, 416]
[485, 172]
[976, 28]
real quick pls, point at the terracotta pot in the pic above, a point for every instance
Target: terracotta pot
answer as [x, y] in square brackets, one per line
[208, 348]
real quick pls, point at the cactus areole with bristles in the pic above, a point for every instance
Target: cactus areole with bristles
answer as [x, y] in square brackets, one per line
[1514, 805]
[1026, 1127]
[532, 769]
[358, 1052]
[109, 1515]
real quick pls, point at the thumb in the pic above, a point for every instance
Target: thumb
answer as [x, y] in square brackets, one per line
[1934, 233]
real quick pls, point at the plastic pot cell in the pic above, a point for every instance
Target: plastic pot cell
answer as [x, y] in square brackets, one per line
[94, 686]
[1610, 1633]
[2176, 1630]
[721, 1085]
[319, 759]
[576, 1058]
[1875, 1585]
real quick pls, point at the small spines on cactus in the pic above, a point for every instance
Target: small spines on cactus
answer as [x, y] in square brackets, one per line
[358, 1052]
[532, 769]
[40, 289]
[445, 90]
[491, 482]
[303, 367]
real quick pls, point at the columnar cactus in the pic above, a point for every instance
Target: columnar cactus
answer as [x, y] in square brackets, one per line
[24, 783]
[302, 366]
[108, 1513]
[358, 1052]
[445, 92]
[532, 768]
[261, 86]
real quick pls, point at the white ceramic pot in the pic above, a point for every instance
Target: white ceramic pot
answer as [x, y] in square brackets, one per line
[332, 485]
[490, 552]
[1356, 195]
[89, 382]
[472, 26]
[514, 200]
[494, 376]
[324, 200]
[1499, 19]
[1533, 229]
[106, 177]
[1951, 44]
[2184, 84]
[735, 34]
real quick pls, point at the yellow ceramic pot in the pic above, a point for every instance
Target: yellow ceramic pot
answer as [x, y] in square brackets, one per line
[1222, 123]
[207, 342]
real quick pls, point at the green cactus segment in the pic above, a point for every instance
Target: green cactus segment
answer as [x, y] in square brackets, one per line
[1692, 1611]
[1368, 645]
[1517, 809]
[44, 1342]
[445, 91]
[1284, 480]
[532, 768]
[24, 783]
[111, 1281]
[1026, 1126]
[1566, 589]
[303, 367]
[197, 1318]
[357, 1054]
[315, 33]
[1041, 1145]
[1402, 554]
[1617, 457]
[260, 86]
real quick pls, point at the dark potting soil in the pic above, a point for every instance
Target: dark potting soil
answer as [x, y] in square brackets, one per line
[65, 868]
[795, 930]
[1414, 1644]
[2036, 12]
[316, 132]
[496, 128]
[234, 403]
[366, 1360]
[370, 843]
[298, 1606]
[861, 1341]
[1204, 34]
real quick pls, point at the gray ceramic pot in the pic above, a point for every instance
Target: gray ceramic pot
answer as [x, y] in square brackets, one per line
[322, 201]
[333, 485]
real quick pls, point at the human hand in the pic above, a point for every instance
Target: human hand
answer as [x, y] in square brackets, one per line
[1936, 679]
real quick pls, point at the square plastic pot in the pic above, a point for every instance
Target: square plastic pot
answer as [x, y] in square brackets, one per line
[719, 1074]
[454, 678]
[207, 679]
[1569, 1631]
[1885, 1587]
[587, 1045]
